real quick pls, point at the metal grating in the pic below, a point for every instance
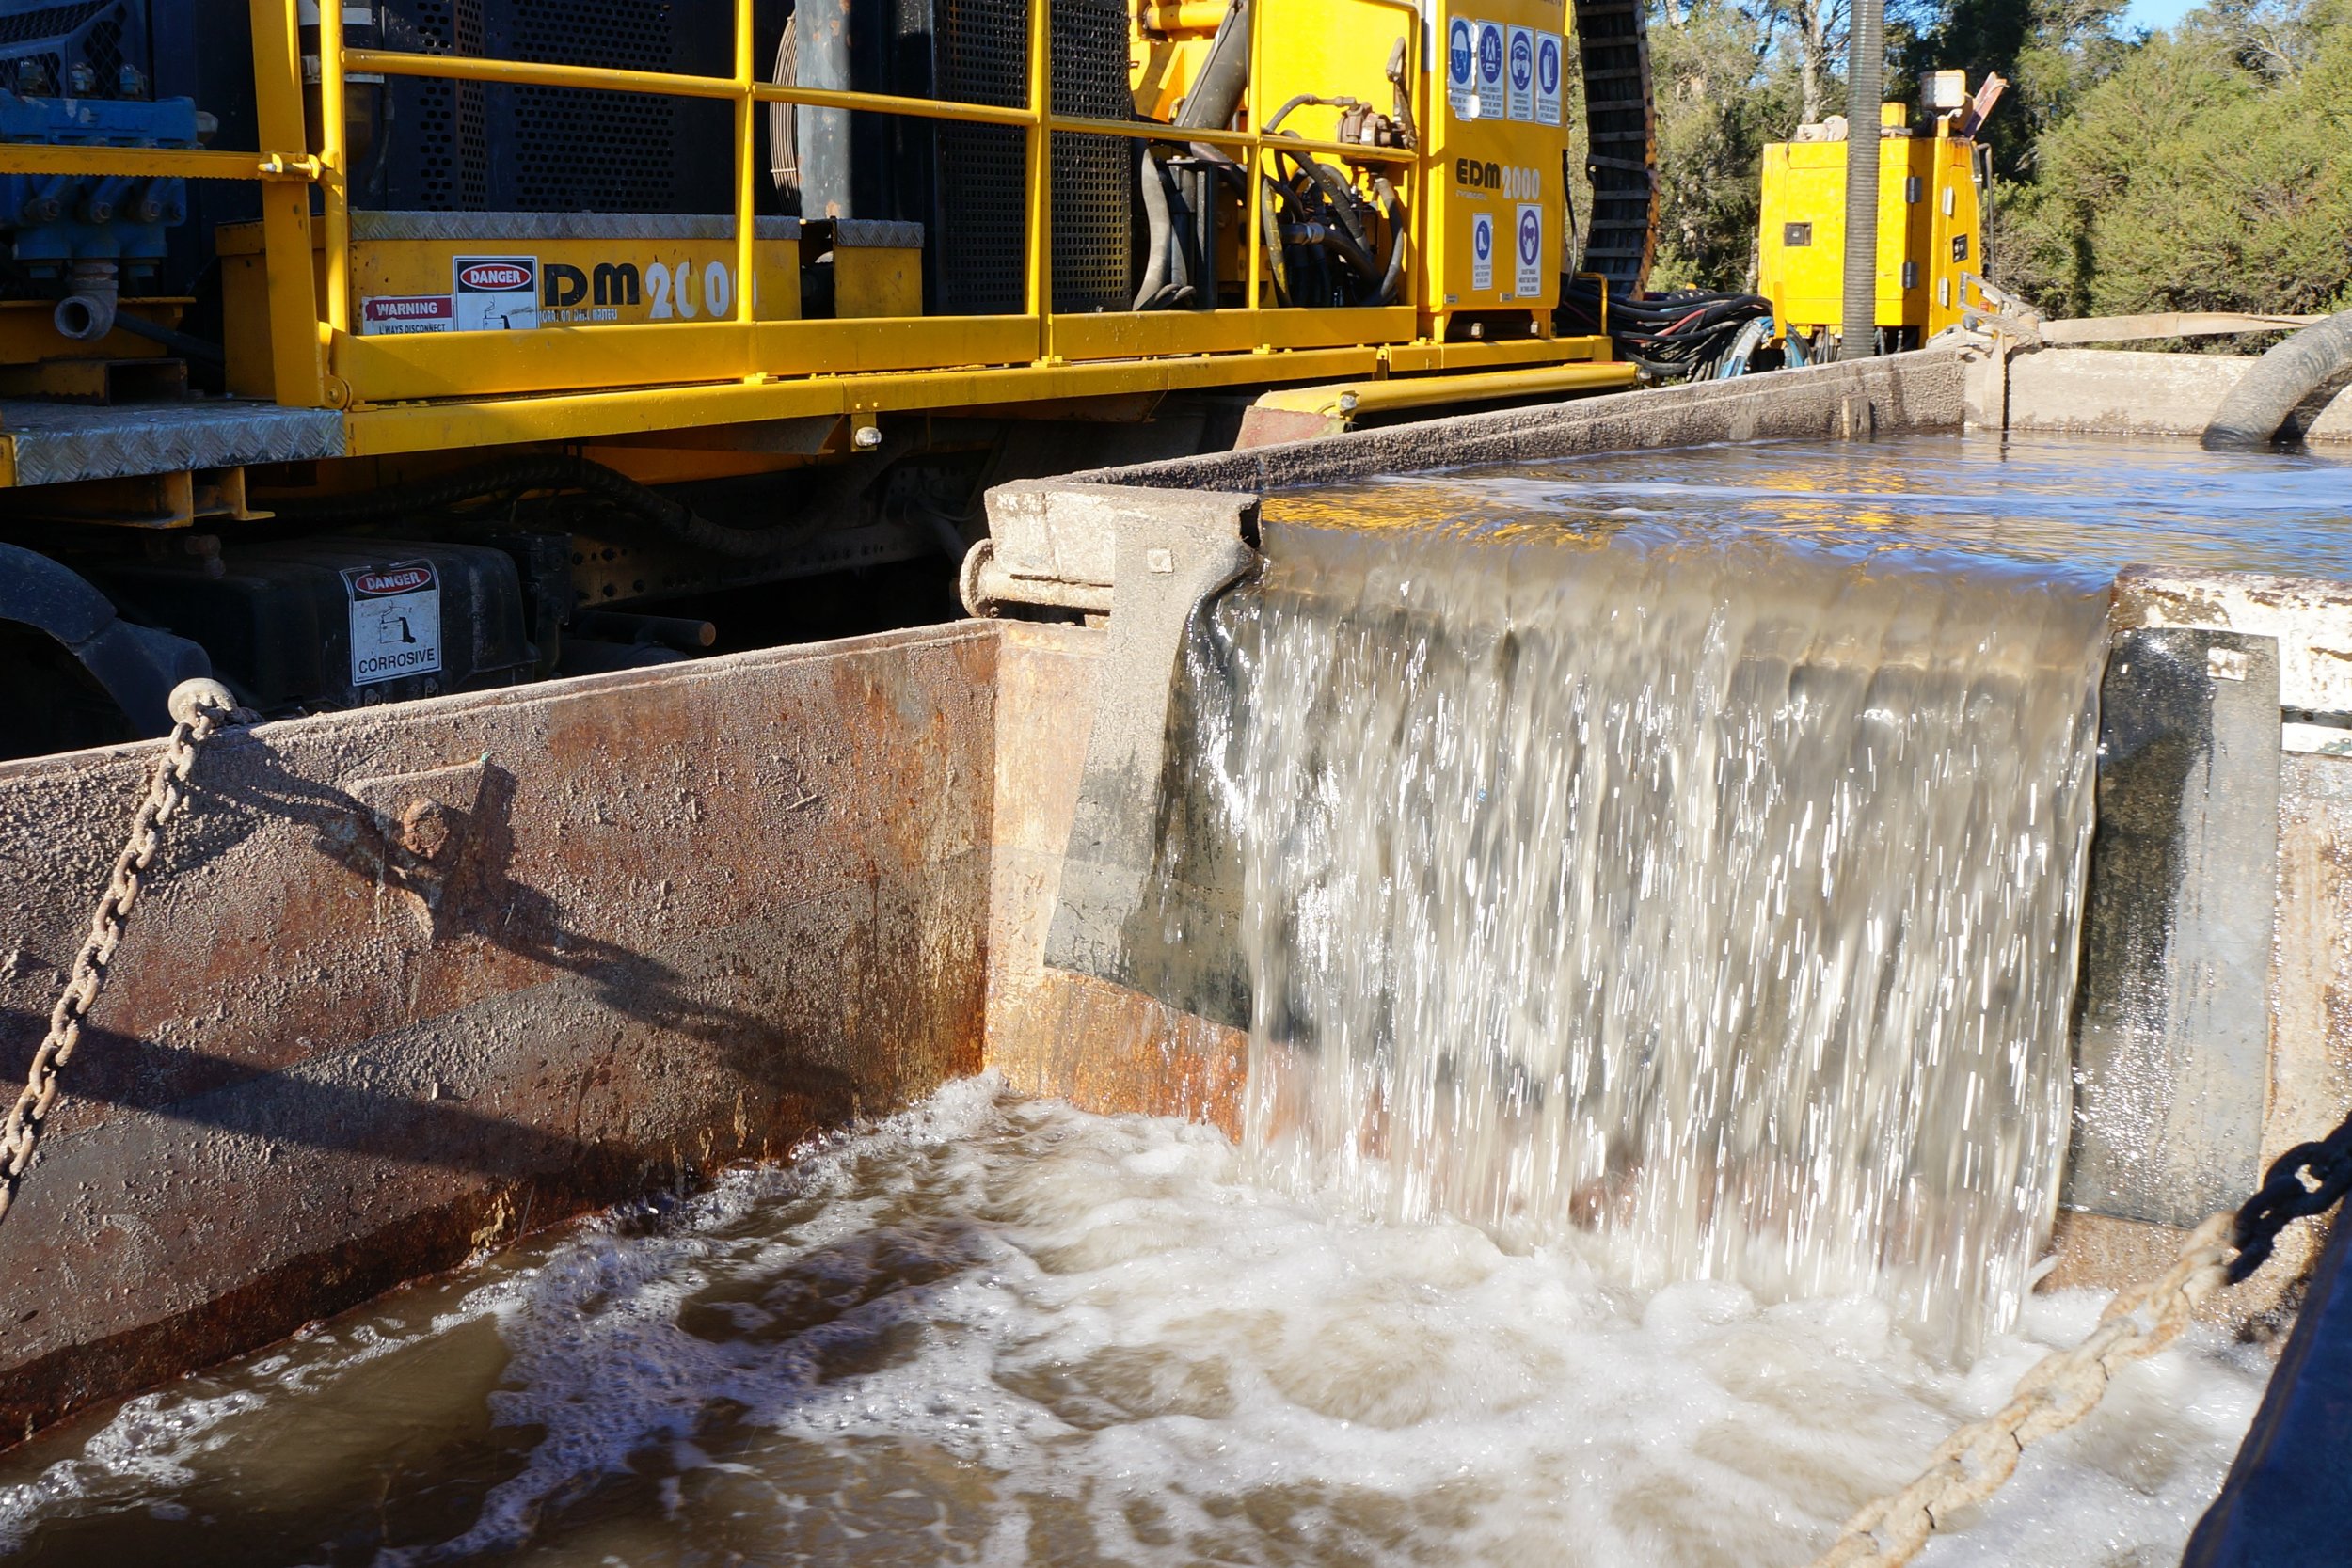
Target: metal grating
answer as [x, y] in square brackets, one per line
[631, 168]
[981, 58]
[470, 147]
[1093, 175]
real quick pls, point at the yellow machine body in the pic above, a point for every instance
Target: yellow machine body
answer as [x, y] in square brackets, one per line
[1497, 130]
[331, 308]
[1930, 239]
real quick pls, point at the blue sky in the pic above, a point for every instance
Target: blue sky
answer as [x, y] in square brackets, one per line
[2152, 14]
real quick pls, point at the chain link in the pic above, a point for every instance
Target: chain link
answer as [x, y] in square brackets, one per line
[2056, 1392]
[199, 708]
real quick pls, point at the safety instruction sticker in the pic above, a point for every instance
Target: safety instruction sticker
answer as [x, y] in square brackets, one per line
[1461, 67]
[496, 294]
[398, 313]
[1530, 281]
[1521, 72]
[1490, 91]
[1548, 60]
[395, 621]
[1482, 250]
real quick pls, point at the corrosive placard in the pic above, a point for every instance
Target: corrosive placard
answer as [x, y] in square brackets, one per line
[1549, 61]
[395, 621]
[1530, 281]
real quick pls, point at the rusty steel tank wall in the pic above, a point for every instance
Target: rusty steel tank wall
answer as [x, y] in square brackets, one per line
[415, 980]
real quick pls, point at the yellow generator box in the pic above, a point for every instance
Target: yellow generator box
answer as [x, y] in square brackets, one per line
[1497, 216]
[507, 272]
[1928, 239]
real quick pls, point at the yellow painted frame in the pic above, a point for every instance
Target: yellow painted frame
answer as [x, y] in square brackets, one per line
[582, 381]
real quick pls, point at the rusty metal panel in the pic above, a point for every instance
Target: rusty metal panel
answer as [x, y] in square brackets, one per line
[1101, 1046]
[418, 978]
[2172, 1047]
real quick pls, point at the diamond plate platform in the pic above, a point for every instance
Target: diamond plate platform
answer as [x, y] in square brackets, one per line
[55, 443]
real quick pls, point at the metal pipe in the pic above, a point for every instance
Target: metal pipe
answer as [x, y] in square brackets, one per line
[86, 313]
[1865, 70]
[1217, 92]
[822, 137]
[1155, 223]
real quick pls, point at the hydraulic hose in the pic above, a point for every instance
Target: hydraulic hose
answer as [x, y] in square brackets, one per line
[2278, 382]
[1392, 279]
[558, 471]
[1865, 69]
[1156, 224]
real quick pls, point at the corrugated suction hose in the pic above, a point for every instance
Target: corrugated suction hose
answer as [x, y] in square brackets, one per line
[2277, 382]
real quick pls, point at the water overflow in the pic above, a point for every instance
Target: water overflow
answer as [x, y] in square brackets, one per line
[1718, 898]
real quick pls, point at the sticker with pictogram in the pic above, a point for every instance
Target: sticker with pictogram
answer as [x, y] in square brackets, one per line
[382, 314]
[1490, 90]
[1461, 67]
[496, 294]
[395, 621]
[1520, 72]
[1482, 250]
[1551, 57]
[1529, 238]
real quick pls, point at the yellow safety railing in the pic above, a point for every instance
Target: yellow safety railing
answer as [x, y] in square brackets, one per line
[318, 361]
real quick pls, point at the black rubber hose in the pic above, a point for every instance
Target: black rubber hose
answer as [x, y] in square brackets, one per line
[559, 471]
[1155, 226]
[2276, 384]
[1392, 277]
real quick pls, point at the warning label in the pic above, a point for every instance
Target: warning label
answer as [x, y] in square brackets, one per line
[395, 313]
[1548, 49]
[1522, 72]
[1461, 67]
[1490, 93]
[495, 293]
[395, 621]
[1530, 281]
[1482, 250]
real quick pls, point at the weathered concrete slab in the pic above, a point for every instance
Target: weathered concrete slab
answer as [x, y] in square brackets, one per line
[2172, 1037]
[2129, 392]
[679, 917]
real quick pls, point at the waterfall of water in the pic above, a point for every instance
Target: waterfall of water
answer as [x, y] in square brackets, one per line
[1718, 897]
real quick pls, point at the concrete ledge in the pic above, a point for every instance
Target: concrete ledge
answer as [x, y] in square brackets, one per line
[2131, 392]
[1901, 392]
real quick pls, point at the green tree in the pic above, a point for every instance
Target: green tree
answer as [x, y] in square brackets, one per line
[2211, 169]
[1722, 91]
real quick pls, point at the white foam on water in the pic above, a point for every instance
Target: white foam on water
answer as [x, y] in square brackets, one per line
[1002, 1331]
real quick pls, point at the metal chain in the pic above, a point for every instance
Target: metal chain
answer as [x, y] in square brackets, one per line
[198, 709]
[2059, 1390]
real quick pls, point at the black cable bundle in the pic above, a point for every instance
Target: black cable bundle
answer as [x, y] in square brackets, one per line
[1670, 336]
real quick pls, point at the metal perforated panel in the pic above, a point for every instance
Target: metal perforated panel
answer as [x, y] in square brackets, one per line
[981, 58]
[466, 147]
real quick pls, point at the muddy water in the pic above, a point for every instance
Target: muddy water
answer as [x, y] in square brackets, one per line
[996, 1331]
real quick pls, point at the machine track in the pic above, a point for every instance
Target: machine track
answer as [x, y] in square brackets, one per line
[1612, 46]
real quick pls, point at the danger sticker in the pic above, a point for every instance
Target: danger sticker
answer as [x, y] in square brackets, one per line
[394, 313]
[1482, 251]
[395, 621]
[1530, 281]
[495, 293]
